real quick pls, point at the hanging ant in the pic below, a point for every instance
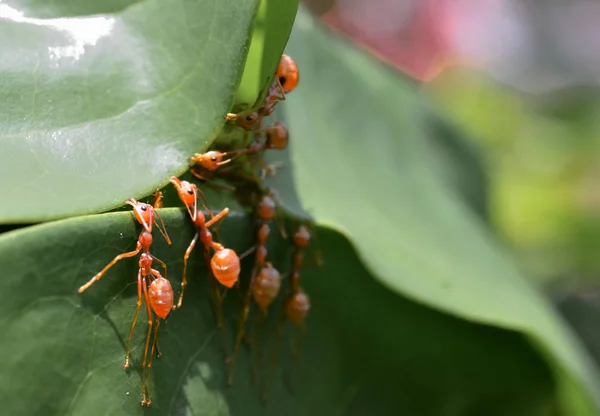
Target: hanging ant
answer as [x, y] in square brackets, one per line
[225, 263]
[158, 295]
[297, 303]
[265, 212]
[285, 81]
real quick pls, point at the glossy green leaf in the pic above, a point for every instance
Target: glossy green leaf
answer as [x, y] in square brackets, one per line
[366, 350]
[361, 161]
[106, 100]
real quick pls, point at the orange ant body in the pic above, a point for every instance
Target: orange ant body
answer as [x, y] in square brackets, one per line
[203, 165]
[298, 303]
[158, 295]
[266, 287]
[287, 74]
[276, 137]
[225, 263]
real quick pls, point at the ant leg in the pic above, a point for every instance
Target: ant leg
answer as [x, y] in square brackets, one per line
[281, 96]
[158, 353]
[274, 357]
[217, 217]
[135, 318]
[296, 339]
[158, 199]
[245, 312]
[145, 382]
[205, 202]
[154, 342]
[156, 274]
[280, 214]
[220, 317]
[109, 265]
[201, 176]
[186, 256]
[217, 222]
[162, 263]
[258, 330]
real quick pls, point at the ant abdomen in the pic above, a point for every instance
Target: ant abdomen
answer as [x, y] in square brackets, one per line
[160, 294]
[287, 73]
[297, 307]
[266, 208]
[266, 287]
[301, 238]
[225, 265]
[277, 136]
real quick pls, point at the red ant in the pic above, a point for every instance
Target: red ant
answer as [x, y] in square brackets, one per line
[276, 137]
[297, 303]
[266, 287]
[265, 212]
[285, 80]
[158, 295]
[225, 263]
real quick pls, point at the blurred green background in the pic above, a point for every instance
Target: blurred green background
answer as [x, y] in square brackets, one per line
[522, 78]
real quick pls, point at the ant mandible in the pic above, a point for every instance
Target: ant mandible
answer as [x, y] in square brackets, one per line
[158, 295]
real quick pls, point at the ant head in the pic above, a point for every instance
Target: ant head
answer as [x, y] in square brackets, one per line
[265, 209]
[144, 213]
[277, 136]
[210, 160]
[301, 237]
[247, 119]
[187, 191]
[287, 73]
[244, 119]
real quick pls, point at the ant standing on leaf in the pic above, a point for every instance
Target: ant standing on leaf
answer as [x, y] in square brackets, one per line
[157, 290]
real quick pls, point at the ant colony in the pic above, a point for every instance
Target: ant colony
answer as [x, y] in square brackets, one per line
[242, 168]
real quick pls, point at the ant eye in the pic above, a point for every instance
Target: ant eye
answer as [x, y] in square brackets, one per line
[249, 118]
[214, 158]
[282, 80]
[191, 191]
[143, 208]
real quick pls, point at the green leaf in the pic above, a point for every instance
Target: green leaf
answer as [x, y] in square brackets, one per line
[366, 349]
[99, 108]
[360, 162]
